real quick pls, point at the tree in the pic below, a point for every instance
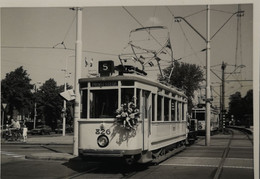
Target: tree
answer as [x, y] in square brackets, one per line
[16, 91]
[50, 104]
[241, 108]
[184, 76]
[236, 106]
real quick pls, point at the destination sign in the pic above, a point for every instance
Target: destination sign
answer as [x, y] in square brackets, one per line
[103, 83]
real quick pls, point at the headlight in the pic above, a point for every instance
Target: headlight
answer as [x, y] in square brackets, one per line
[102, 141]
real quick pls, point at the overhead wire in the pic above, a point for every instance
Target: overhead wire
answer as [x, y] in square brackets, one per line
[69, 49]
[194, 13]
[186, 38]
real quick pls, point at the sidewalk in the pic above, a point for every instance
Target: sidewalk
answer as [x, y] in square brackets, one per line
[68, 139]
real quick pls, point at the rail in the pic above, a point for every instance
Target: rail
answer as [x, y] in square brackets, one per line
[247, 130]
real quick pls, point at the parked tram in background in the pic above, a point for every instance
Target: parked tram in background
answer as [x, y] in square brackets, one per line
[127, 115]
[199, 113]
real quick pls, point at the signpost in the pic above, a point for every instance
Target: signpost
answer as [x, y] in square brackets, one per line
[3, 116]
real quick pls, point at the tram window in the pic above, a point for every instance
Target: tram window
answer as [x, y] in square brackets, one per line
[153, 106]
[127, 95]
[178, 111]
[159, 108]
[200, 116]
[183, 112]
[138, 98]
[173, 110]
[84, 103]
[166, 109]
[145, 102]
[103, 103]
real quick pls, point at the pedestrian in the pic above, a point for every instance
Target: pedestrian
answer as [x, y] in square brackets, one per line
[15, 124]
[25, 130]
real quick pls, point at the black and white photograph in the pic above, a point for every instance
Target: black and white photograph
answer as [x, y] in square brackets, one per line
[129, 90]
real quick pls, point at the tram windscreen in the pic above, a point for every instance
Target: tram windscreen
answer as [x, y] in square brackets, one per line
[200, 116]
[103, 103]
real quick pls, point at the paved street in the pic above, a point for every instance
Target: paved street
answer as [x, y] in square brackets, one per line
[229, 156]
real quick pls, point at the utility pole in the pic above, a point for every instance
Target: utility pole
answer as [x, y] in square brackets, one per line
[207, 141]
[207, 40]
[223, 112]
[78, 53]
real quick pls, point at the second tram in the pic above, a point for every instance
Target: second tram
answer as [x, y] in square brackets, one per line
[199, 113]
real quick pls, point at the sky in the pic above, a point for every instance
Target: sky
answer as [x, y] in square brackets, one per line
[28, 36]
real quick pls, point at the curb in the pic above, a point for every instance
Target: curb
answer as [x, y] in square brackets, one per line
[27, 143]
[50, 156]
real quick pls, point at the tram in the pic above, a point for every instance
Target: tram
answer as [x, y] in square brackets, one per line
[127, 115]
[199, 113]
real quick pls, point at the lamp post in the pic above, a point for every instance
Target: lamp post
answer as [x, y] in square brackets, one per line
[35, 105]
[3, 116]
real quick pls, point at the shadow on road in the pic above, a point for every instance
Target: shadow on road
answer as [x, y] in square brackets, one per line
[104, 166]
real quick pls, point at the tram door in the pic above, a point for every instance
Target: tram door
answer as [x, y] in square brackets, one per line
[145, 107]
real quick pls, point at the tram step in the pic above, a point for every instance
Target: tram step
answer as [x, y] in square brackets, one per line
[168, 155]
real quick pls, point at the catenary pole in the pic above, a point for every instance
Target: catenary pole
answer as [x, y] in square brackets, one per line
[64, 106]
[207, 141]
[223, 67]
[78, 58]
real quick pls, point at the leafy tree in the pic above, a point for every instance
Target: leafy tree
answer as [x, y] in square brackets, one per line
[50, 104]
[236, 106]
[184, 76]
[241, 108]
[248, 102]
[16, 91]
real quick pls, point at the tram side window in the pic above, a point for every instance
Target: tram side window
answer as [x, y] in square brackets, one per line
[153, 106]
[173, 110]
[178, 111]
[84, 103]
[166, 109]
[159, 108]
[127, 95]
[183, 112]
[103, 103]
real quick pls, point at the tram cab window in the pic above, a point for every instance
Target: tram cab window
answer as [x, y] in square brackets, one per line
[84, 103]
[166, 109]
[200, 116]
[138, 91]
[103, 103]
[127, 95]
[145, 102]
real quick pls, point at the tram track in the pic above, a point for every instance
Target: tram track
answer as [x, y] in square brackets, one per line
[226, 151]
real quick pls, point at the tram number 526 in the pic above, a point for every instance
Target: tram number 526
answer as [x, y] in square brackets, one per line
[103, 131]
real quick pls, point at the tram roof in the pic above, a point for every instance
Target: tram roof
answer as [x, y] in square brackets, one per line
[133, 78]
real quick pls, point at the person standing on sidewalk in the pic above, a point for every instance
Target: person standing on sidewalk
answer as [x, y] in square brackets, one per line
[25, 130]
